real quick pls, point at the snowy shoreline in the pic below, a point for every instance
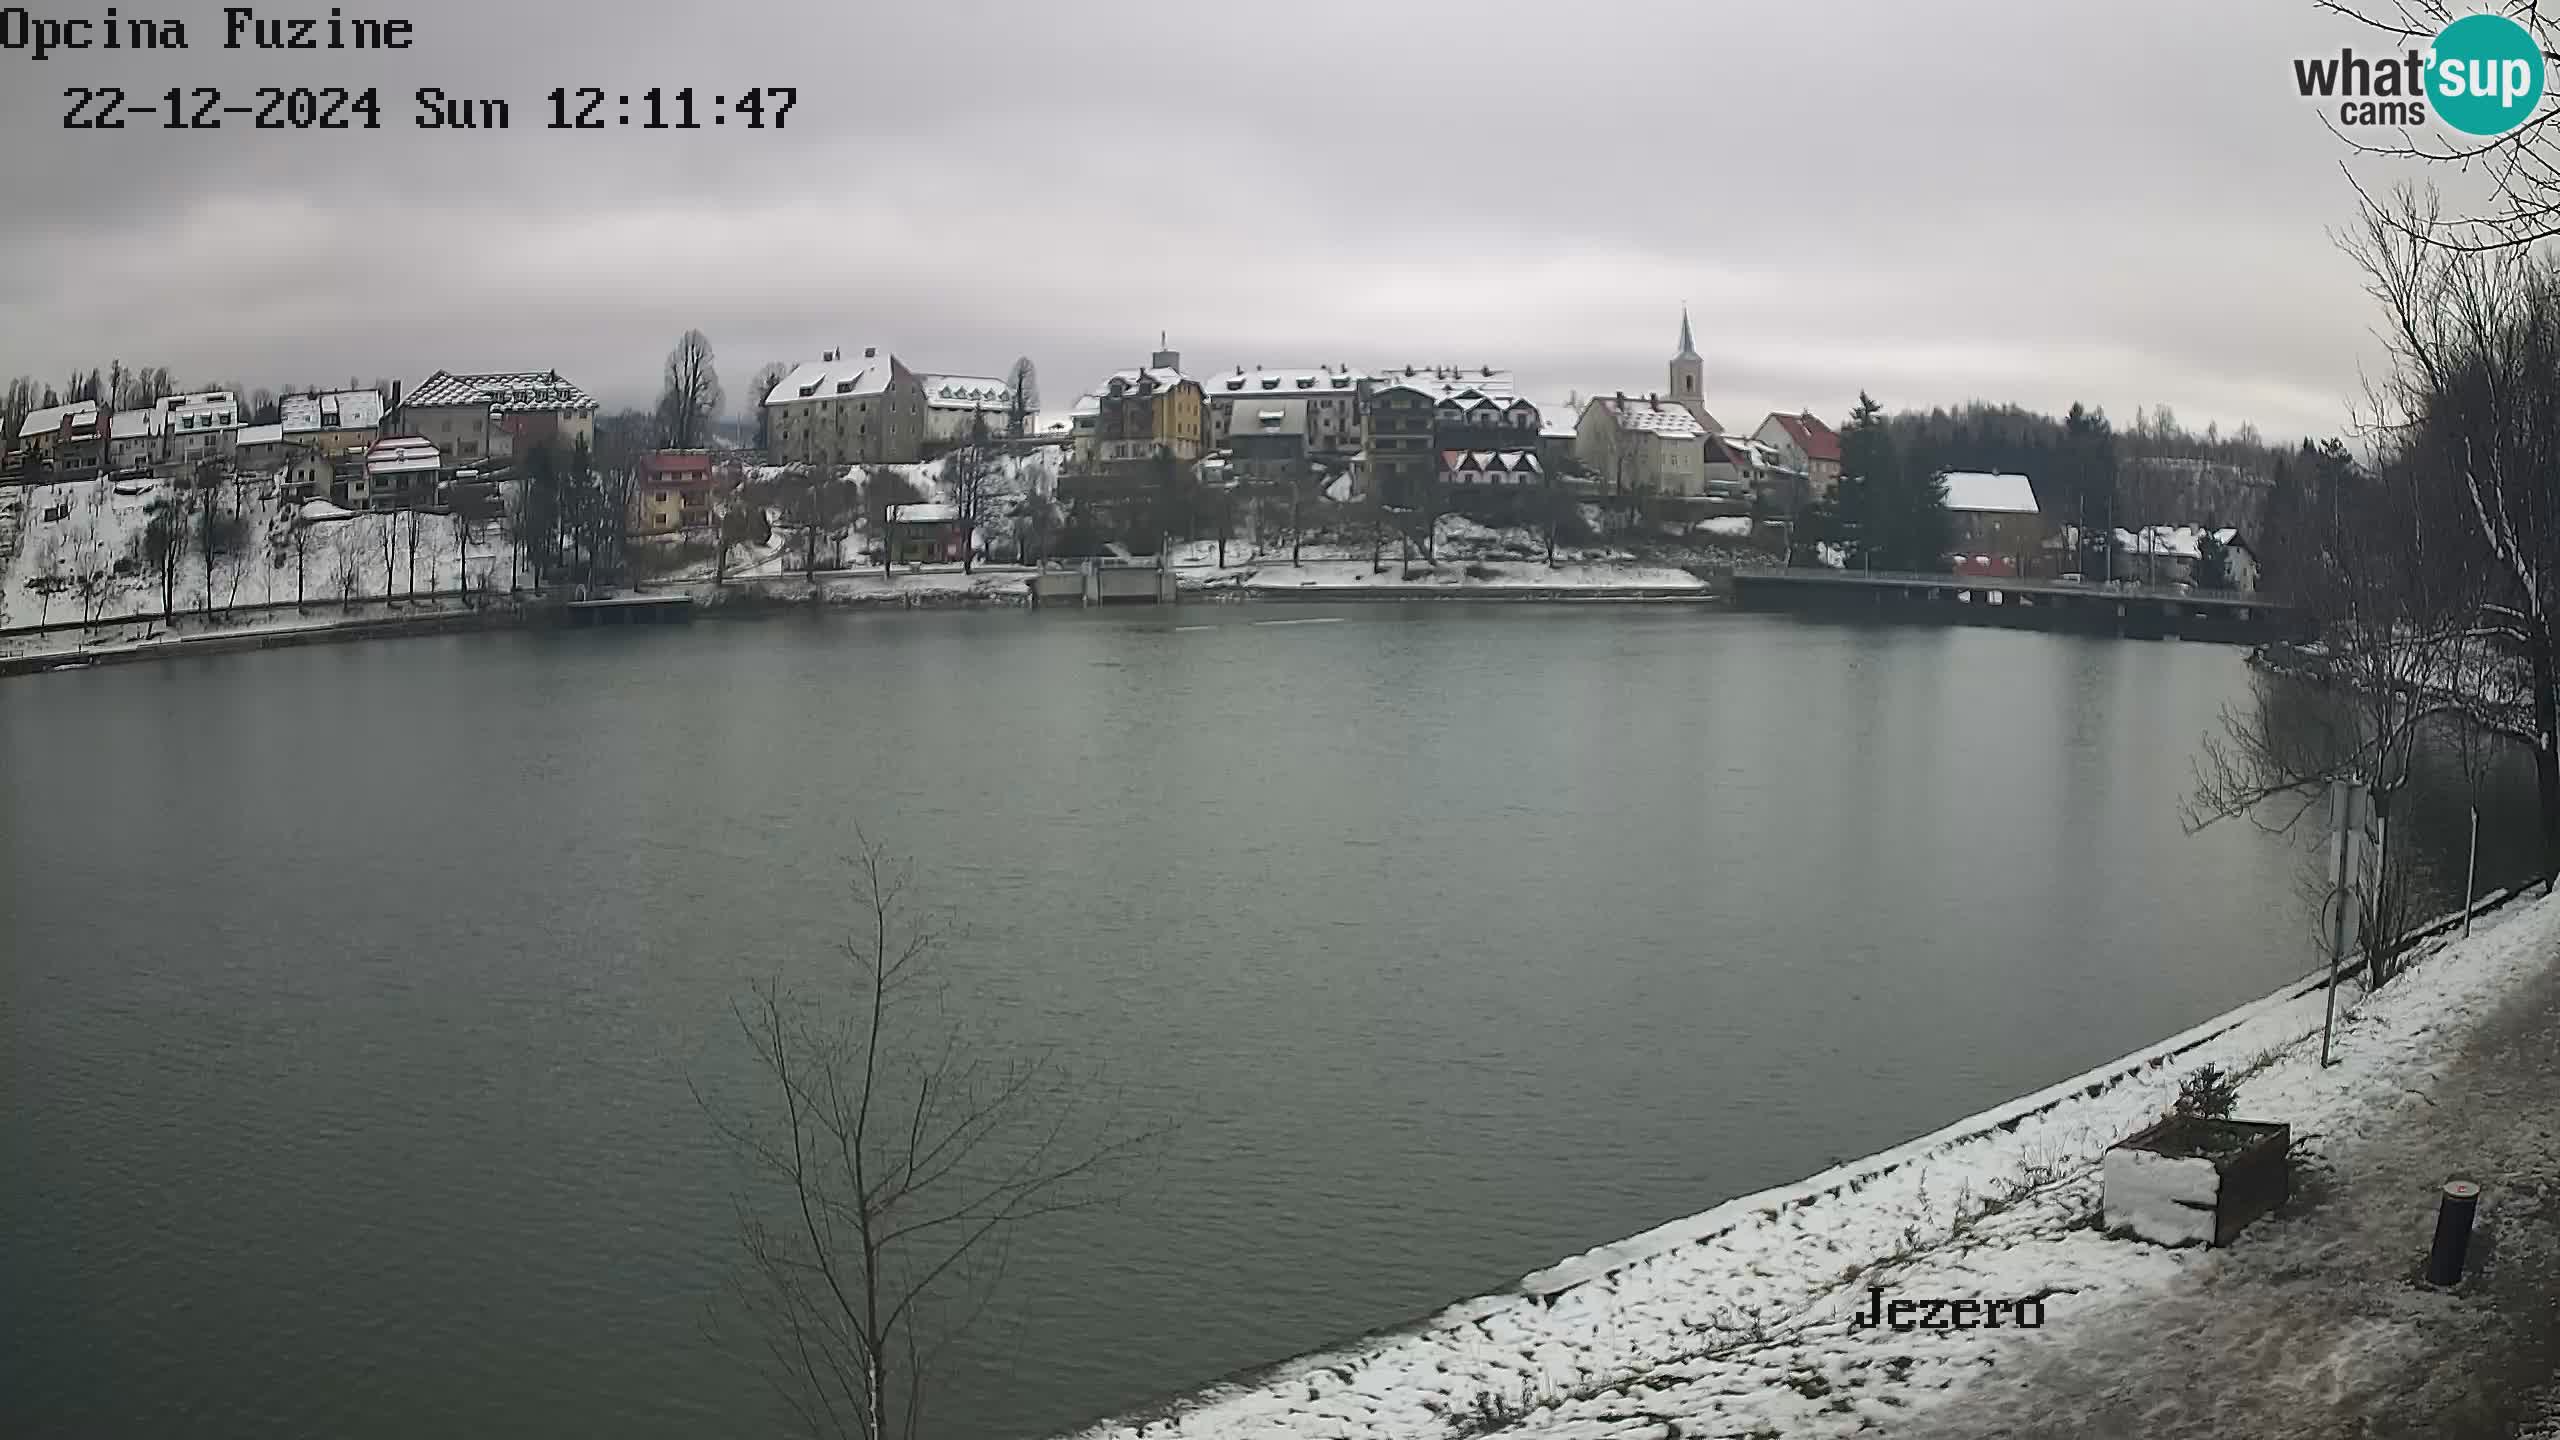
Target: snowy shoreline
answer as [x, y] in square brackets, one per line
[1740, 1318]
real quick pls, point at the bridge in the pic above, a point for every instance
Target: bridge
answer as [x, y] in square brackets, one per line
[2142, 612]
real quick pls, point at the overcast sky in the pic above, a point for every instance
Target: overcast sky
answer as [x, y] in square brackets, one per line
[2027, 200]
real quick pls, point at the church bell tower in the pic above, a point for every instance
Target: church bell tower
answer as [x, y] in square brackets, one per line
[1689, 374]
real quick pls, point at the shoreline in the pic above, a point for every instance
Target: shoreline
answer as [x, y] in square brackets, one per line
[744, 598]
[1600, 1323]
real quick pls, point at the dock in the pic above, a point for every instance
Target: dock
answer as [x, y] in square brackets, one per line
[2139, 612]
[630, 610]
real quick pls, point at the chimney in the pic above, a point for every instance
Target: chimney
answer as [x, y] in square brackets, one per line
[1652, 401]
[395, 399]
[870, 352]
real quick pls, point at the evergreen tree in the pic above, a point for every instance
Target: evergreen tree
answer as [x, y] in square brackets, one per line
[2213, 562]
[1866, 471]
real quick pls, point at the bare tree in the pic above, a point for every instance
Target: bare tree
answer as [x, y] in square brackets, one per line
[45, 560]
[761, 387]
[2474, 401]
[691, 398]
[93, 577]
[346, 574]
[2522, 166]
[1022, 397]
[980, 487]
[884, 489]
[890, 1164]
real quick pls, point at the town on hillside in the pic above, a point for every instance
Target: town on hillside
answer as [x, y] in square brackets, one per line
[121, 496]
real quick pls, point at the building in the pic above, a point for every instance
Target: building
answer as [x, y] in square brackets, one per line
[2169, 554]
[1804, 443]
[1412, 420]
[1267, 440]
[268, 449]
[134, 439]
[868, 409]
[70, 441]
[1138, 414]
[495, 416]
[955, 404]
[927, 533]
[336, 422]
[1740, 468]
[1491, 469]
[1689, 380]
[199, 427]
[1329, 398]
[1647, 446]
[1994, 525]
[672, 493]
[397, 473]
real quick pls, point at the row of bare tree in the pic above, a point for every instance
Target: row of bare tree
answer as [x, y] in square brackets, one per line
[2431, 566]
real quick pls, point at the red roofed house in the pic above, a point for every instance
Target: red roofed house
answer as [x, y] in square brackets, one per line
[1806, 444]
[673, 493]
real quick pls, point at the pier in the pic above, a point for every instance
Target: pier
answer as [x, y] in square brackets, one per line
[2140, 612]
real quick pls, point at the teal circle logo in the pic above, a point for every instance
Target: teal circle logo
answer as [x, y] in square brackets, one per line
[2485, 75]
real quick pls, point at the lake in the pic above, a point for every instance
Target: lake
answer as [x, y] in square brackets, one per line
[356, 996]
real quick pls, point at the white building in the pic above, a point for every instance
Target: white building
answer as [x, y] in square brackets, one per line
[198, 427]
[397, 473]
[1643, 445]
[953, 404]
[134, 443]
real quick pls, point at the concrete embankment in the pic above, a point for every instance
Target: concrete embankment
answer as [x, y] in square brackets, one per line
[266, 637]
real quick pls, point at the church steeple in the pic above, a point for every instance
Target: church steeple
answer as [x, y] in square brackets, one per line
[1689, 376]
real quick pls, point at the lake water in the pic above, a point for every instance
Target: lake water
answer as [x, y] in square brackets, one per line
[353, 995]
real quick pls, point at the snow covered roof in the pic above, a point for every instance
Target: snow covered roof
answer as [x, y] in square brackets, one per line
[1652, 416]
[1743, 450]
[315, 511]
[52, 417]
[1437, 381]
[923, 512]
[1319, 381]
[2179, 542]
[1128, 379]
[401, 455]
[337, 410]
[966, 392]
[137, 424]
[1270, 416]
[866, 372]
[1489, 460]
[1817, 440]
[260, 435]
[1975, 492]
[505, 393]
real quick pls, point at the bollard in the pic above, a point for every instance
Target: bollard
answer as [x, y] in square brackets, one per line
[2453, 1232]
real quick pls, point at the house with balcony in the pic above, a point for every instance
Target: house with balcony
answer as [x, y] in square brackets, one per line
[1413, 419]
[672, 492]
[1327, 398]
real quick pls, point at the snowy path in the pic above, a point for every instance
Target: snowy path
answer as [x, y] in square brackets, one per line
[1739, 1321]
[2311, 1326]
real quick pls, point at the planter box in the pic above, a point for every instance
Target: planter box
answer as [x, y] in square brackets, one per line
[2193, 1181]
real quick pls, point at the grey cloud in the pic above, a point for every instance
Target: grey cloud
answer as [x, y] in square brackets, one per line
[2020, 200]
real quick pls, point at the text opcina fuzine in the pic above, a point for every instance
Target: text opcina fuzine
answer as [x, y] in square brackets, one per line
[1971, 1313]
[241, 27]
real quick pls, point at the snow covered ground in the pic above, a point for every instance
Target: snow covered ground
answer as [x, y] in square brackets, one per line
[98, 526]
[1742, 1320]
